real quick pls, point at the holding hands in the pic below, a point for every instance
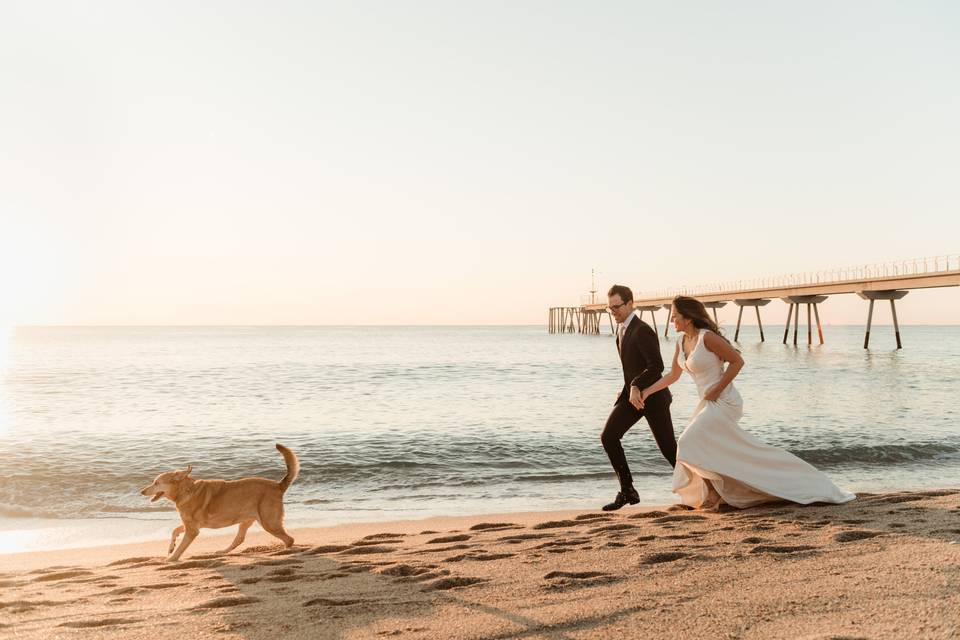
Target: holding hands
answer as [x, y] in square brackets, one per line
[637, 398]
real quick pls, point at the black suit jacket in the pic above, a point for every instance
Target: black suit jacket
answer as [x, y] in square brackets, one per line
[641, 360]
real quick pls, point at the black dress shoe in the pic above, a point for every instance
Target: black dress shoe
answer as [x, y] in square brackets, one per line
[629, 496]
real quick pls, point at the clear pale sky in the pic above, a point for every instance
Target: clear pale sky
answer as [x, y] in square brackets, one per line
[463, 162]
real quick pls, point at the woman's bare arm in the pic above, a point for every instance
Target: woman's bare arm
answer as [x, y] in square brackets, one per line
[725, 351]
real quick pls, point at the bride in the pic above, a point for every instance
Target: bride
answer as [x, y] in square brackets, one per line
[717, 461]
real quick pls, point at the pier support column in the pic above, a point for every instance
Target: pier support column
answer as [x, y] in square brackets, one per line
[896, 325]
[715, 306]
[819, 327]
[786, 328]
[652, 309]
[796, 323]
[756, 303]
[666, 325]
[812, 303]
[891, 295]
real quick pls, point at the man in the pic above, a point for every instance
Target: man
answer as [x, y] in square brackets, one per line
[642, 364]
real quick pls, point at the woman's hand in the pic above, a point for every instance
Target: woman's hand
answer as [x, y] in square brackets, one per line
[713, 393]
[644, 395]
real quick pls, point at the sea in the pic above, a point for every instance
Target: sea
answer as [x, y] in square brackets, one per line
[399, 423]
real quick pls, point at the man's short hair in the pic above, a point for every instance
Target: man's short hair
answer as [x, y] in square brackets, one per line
[621, 290]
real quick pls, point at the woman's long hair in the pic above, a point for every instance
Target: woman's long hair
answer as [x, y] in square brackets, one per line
[693, 310]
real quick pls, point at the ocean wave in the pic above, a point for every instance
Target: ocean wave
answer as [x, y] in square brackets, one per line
[877, 454]
[111, 508]
[573, 477]
[16, 511]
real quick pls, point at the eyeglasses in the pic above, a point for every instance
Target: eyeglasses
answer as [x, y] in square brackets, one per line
[616, 307]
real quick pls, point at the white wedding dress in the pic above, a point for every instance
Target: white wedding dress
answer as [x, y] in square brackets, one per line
[741, 468]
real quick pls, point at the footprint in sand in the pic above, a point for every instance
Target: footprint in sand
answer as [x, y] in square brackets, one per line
[326, 548]
[277, 563]
[136, 560]
[452, 547]
[159, 585]
[445, 584]
[62, 575]
[332, 602]
[190, 564]
[898, 498]
[658, 558]
[22, 606]
[613, 527]
[383, 536]
[367, 550]
[572, 542]
[594, 516]
[485, 557]
[679, 518]
[404, 570]
[850, 536]
[445, 539]
[99, 622]
[771, 548]
[360, 568]
[521, 537]
[557, 524]
[564, 580]
[488, 526]
[649, 514]
[371, 543]
[229, 601]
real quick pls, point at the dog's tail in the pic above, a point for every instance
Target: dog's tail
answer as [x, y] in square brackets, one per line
[293, 467]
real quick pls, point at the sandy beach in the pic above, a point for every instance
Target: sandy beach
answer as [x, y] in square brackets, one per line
[883, 566]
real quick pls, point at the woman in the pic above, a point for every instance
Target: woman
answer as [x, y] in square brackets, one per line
[717, 461]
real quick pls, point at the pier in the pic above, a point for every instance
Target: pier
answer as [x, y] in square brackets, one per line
[890, 281]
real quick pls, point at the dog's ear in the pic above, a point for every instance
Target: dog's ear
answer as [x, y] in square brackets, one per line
[186, 472]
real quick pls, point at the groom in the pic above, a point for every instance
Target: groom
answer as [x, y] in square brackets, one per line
[642, 364]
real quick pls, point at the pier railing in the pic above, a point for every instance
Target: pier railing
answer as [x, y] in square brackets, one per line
[916, 267]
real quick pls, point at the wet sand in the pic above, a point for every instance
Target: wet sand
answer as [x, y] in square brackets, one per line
[883, 566]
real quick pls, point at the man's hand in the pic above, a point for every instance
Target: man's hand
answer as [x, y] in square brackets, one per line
[636, 398]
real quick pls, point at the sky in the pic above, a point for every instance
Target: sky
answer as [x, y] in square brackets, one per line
[463, 162]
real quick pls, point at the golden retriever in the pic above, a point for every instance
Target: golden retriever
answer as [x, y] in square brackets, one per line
[220, 503]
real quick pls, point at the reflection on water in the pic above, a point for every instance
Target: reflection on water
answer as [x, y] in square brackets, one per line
[409, 422]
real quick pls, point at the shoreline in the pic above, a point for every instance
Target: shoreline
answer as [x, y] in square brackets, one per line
[886, 565]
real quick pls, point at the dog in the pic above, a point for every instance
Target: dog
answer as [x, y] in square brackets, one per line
[220, 503]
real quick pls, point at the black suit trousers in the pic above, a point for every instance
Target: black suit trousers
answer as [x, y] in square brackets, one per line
[625, 415]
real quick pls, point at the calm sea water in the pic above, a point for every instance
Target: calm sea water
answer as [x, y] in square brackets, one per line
[399, 423]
